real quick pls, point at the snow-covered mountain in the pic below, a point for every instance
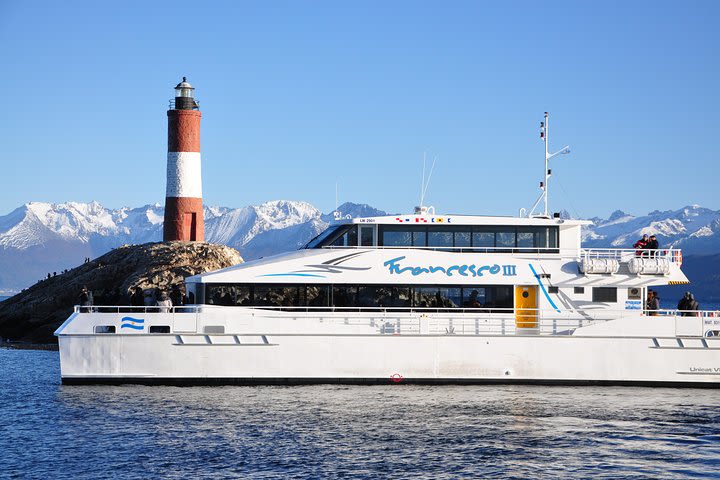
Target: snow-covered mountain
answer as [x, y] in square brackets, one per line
[38, 238]
[694, 229]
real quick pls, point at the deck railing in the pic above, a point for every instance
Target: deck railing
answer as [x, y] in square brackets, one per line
[621, 254]
[419, 321]
[626, 254]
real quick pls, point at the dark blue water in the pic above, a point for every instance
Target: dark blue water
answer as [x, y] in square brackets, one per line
[396, 431]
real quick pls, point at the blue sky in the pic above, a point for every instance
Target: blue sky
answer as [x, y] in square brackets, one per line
[299, 96]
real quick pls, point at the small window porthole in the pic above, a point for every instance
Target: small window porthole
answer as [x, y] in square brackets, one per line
[525, 294]
[159, 329]
[104, 328]
[553, 289]
[578, 290]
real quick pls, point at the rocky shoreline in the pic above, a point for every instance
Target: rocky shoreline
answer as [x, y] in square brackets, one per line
[28, 319]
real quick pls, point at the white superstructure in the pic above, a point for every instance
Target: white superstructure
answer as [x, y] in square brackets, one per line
[413, 298]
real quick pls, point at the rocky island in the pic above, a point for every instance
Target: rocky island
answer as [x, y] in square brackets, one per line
[33, 314]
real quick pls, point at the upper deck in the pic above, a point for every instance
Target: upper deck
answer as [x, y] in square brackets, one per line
[464, 233]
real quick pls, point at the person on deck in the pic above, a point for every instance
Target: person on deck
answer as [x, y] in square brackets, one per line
[164, 302]
[687, 305]
[653, 303]
[137, 299]
[85, 299]
[640, 245]
[652, 246]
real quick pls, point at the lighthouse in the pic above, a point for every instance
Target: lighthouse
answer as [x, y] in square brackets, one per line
[183, 198]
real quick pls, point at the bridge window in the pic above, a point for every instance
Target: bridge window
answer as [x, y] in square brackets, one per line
[473, 238]
[440, 238]
[483, 239]
[348, 238]
[463, 239]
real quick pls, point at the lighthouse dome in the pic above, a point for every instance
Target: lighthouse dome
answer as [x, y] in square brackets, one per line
[184, 85]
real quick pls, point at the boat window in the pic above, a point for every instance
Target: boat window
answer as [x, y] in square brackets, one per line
[402, 236]
[317, 296]
[579, 290]
[604, 294]
[437, 297]
[366, 296]
[159, 329]
[104, 329]
[345, 296]
[276, 296]
[483, 239]
[366, 236]
[318, 240]
[396, 237]
[383, 296]
[463, 239]
[525, 239]
[469, 239]
[227, 294]
[505, 239]
[337, 235]
[348, 238]
[440, 238]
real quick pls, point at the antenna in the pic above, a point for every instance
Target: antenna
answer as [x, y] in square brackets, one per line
[425, 183]
[336, 212]
[544, 132]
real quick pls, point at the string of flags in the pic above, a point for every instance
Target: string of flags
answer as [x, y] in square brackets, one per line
[423, 219]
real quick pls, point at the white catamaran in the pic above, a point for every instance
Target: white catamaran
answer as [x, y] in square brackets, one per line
[421, 298]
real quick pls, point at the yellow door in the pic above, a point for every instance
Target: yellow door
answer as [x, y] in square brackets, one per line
[526, 314]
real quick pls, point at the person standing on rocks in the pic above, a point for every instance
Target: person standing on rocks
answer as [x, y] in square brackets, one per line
[164, 302]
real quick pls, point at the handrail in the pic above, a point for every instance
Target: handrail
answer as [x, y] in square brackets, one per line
[551, 313]
[674, 254]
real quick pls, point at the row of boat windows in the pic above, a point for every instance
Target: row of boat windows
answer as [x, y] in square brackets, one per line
[360, 296]
[490, 238]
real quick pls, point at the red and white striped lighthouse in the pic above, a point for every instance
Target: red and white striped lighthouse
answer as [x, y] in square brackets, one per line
[183, 198]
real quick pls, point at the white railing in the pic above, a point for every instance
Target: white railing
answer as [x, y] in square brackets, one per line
[626, 254]
[429, 321]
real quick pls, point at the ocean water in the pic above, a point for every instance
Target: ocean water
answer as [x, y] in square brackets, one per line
[396, 431]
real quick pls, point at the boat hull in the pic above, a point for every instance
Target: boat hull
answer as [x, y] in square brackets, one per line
[389, 359]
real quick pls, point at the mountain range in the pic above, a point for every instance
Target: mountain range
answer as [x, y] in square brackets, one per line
[40, 238]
